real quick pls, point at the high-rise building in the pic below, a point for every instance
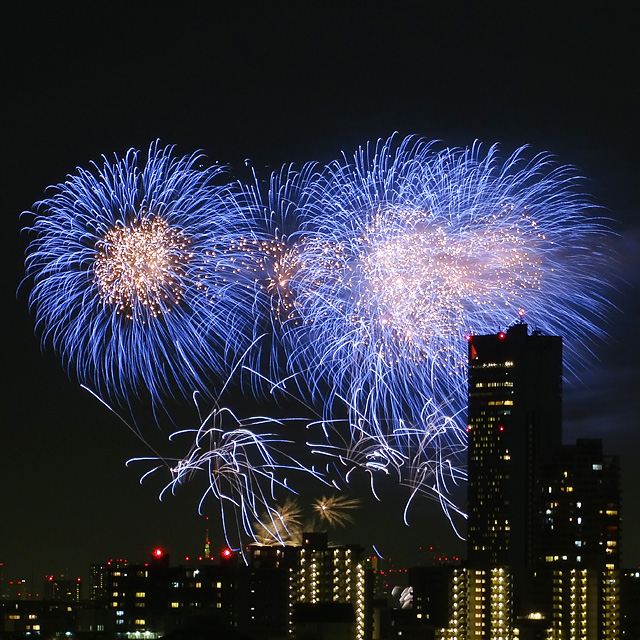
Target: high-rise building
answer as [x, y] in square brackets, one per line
[581, 500]
[630, 604]
[62, 589]
[514, 430]
[578, 578]
[264, 606]
[153, 598]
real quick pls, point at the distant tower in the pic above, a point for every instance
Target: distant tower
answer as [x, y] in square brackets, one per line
[207, 543]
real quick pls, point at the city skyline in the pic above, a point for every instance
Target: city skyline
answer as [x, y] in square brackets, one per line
[62, 472]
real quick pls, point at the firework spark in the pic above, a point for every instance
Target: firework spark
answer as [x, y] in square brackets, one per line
[289, 525]
[142, 266]
[284, 525]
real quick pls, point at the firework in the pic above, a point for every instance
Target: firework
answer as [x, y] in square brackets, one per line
[245, 471]
[426, 457]
[335, 509]
[286, 525]
[269, 253]
[283, 525]
[434, 468]
[425, 247]
[131, 281]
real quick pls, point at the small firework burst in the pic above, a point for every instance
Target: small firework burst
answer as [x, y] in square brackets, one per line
[335, 510]
[283, 526]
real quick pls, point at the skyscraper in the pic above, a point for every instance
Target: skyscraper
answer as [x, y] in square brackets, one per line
[514, 431]
[331, 575]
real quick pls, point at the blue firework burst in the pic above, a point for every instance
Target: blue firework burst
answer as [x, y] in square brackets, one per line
[411, 248]
[268, 252]
[131, 283]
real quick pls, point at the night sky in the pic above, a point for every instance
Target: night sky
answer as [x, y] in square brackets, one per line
[284, 82]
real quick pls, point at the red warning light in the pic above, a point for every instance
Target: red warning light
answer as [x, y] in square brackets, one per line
[501, 428]
[157, 552]
[226, 553]
[469, 337]
[502, 335]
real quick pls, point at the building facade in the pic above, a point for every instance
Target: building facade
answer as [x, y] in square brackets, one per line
[331, 574]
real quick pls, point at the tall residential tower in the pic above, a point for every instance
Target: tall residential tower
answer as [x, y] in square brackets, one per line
[514, 432]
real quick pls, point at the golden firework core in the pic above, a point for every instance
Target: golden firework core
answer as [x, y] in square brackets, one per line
[140, 266]
[409, 268]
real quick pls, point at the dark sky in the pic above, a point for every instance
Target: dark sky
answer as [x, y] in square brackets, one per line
[287, 82]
